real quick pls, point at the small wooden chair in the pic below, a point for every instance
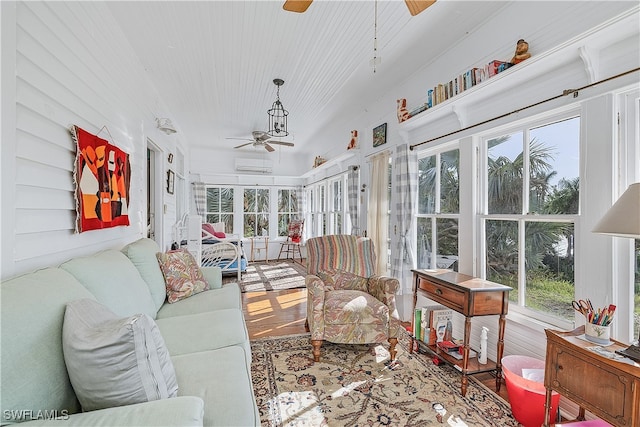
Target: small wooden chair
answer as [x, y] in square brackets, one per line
[293, 242]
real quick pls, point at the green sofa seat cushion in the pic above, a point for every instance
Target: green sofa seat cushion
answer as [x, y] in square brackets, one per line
[228, 296]
[223, 379]
[205, 331]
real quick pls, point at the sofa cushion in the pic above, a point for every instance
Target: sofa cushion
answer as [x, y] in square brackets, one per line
[228, 296]
[115, 361]
[343, 280]
[205, 331]
[183, 411]
[142, 254]
[31, 311]
[182, 275]
[223, 379]
[114, 281]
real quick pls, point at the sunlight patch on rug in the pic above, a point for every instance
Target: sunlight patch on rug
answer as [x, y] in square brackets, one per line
[356, 385]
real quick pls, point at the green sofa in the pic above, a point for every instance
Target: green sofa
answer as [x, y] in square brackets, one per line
[205, 335]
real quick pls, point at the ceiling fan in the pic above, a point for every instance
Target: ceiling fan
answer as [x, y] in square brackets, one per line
[261, 138]
[414, 6]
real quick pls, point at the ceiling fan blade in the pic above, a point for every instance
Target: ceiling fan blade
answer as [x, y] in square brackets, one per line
[242, 145]
[288, 144]
[417, 6]
[298, 6]
[269, 148]
[241, 139]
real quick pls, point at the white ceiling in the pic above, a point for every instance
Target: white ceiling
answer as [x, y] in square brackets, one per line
[214, 62]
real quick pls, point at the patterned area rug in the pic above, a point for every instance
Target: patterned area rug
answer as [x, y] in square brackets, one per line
[354, 385]
[274, 275]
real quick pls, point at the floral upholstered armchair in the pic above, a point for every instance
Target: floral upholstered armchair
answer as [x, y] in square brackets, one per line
[346, 301]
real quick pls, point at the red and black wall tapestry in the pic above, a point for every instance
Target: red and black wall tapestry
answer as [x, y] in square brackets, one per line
[102, 175]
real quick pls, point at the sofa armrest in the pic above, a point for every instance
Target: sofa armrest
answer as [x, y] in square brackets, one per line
[385, 289]
[177, 411]
[316, 289]
[213, 276]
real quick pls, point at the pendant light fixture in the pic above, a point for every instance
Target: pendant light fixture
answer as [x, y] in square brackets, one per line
[376, 60]
[277, 114]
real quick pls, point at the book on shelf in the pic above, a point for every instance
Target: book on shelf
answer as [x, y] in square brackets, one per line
[442, 324]
[422, 323]
[454, 349]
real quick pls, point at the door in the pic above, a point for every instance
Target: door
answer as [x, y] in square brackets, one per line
[154, 195]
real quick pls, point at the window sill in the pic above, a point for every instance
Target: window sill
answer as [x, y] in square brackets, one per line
[523, 317]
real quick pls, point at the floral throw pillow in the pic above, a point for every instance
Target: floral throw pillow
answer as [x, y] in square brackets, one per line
[343, 280]
[182, 275]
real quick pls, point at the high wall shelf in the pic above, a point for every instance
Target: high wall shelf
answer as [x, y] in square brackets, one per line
[331, 162]
[572, 64]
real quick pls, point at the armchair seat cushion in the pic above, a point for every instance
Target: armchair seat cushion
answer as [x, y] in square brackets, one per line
[354, 307]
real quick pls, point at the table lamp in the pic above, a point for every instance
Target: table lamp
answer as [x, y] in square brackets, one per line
[623, 218]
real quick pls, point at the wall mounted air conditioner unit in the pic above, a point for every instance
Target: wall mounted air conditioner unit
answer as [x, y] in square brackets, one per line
[254, 165]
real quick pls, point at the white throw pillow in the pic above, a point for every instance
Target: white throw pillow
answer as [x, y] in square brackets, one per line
[115, 361]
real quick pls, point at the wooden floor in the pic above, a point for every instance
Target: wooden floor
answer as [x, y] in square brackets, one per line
[277, 313]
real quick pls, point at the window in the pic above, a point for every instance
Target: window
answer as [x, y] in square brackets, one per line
[287, 210]
[220, 206]
[336, 206]
[531, 203]
[438, 209]
[256, 212]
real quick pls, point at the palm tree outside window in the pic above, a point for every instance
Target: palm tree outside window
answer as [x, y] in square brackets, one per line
[220, 207]
[256, 212]
[531, 202]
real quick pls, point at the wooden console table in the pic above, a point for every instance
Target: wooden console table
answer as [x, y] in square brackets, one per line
[470, 297]
[608, 388]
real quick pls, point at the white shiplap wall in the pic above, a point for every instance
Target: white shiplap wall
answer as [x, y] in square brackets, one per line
[64, 64]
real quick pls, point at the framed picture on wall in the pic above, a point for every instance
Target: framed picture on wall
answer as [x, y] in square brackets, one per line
[379, 135]
[171, 177]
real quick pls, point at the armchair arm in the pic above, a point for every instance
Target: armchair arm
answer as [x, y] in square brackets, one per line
[385, 289]
[315, 305]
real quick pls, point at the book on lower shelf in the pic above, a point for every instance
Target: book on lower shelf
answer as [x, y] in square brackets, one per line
[424, 328]
[455, 349]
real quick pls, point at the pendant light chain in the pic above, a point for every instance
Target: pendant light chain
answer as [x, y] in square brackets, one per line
[374, 61]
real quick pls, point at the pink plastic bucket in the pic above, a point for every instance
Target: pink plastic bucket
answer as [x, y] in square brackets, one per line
[527, 396]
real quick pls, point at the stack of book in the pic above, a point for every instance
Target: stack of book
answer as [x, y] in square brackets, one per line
[433, 323]
[444, 91]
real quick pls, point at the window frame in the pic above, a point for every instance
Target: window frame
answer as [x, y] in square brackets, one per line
[524, 125]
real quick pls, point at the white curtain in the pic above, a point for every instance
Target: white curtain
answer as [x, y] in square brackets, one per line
[353, 181]
[405, 188]
[378, 209]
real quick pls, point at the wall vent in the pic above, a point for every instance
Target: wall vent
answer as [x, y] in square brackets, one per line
[254, 165]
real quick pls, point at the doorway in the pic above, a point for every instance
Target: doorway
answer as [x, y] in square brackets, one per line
[154, 195]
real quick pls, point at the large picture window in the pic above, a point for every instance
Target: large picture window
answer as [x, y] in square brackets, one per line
[531, 204]
[438, 210]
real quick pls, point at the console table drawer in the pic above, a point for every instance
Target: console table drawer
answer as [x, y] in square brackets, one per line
[439, 293]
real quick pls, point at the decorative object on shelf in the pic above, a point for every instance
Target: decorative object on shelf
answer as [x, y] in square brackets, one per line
[403, 113]
[353, 143]
[522, 52]
[277, 114]
[170, 158]
[380, 135]
[102, 174]
[170, 180]
[318, 161]
[165, 125]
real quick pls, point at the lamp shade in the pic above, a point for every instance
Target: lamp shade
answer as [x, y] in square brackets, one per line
[623, 218]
